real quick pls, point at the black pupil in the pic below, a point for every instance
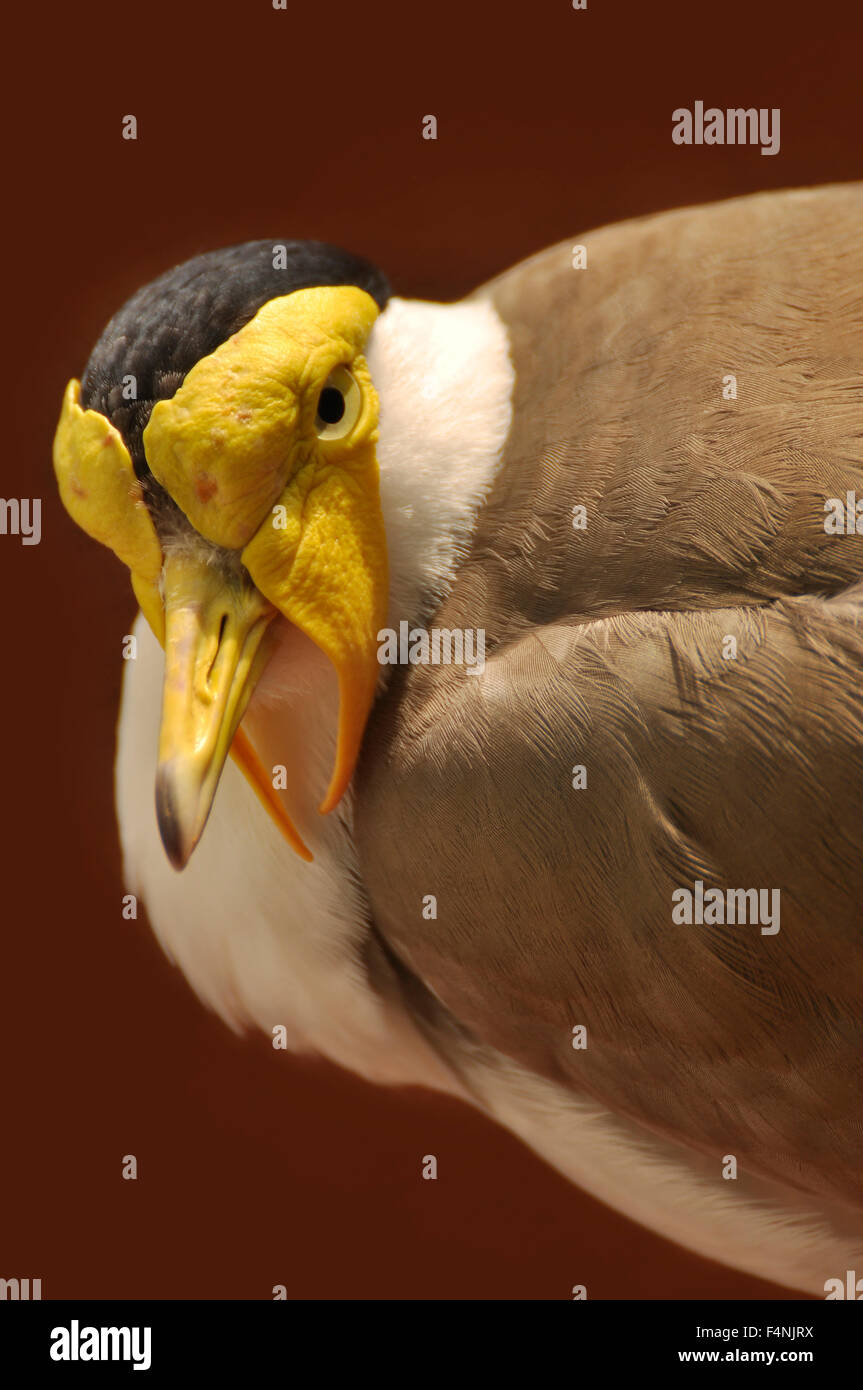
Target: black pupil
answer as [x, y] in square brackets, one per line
[331, 406]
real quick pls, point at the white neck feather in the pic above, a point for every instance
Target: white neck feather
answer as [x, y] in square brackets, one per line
[444, 379]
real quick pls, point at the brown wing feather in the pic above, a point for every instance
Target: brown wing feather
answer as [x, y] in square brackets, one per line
[608, 649]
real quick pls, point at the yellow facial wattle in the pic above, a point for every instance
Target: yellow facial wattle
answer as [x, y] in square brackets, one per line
[100, 492]
[244, 453]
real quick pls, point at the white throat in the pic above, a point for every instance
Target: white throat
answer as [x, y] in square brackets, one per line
[262, 936]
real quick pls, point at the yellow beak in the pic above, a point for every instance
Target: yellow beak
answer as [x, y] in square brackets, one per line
[216, 647]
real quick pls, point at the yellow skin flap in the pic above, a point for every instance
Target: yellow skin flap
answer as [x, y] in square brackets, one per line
[327, 573]
[100, 492]
[245, 451]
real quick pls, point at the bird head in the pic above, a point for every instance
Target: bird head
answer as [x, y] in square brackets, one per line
[222, 443]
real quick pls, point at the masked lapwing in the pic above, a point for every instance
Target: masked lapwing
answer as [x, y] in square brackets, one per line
[499, 674]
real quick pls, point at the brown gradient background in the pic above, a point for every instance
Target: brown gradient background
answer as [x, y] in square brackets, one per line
[257, 1168]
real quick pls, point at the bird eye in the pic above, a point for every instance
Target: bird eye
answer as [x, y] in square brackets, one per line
[331, 406]
[339, 405]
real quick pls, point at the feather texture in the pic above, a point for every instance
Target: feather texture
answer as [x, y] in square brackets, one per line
[608, 648]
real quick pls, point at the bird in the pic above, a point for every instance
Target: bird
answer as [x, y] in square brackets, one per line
[499, 678]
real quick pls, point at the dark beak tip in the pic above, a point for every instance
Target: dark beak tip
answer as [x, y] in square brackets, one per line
[177, 848]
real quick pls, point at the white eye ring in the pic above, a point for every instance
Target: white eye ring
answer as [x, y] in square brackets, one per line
[339, 405]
